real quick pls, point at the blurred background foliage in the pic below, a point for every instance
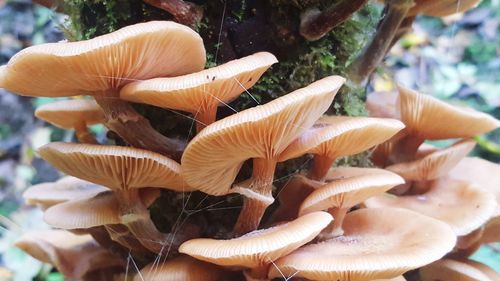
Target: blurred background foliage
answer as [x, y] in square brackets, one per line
[456, 59]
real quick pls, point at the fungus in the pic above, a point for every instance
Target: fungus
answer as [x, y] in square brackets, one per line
[466, 270]
[382, 104]
[202, 92]
[258, 249]
[49, 194]
[140, 51]
[441, 8]
[491, 232]
[213, 158]
[373, 246]
[336, 136]
[354, 185]
[124, 170]
[183, 268]
[462, 205]
[73, 255]
[73, 114]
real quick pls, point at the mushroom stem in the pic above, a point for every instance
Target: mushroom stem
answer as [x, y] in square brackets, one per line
[136, 130]
[420, 187]
[101, 234]
[257, 273]
[184, 12]
[83, 135]
[406, 149]
[292, 194]
[371, 57]
[258, 193]
[315, 24]
[205, 117]
[320, 168]
[334, 229]
[121, 235]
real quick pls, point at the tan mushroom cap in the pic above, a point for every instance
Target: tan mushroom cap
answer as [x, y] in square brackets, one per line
[462, 205]
[100, 210]
[140, 51]
[377, 243]
[116, 167]
[259, 247]
[434, 165]
[349, 191]
[483, 173]
[73, 255]
[2, 75]
[399, 278]
[426, 117]
[65, 189]
[68, 114]
[213, 158]
[183, 268]
[382, 104]
[202, 90]
[456, 270]
[336, 136]
[441, 8]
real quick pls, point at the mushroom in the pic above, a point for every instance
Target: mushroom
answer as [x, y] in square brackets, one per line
[124, 170]
[336, 136]
[49, 194]
[463, 270]
[382, 104]
[202, 92]
[492, 231]
[354, 185]
[377, 243]
[257, 250]
[74, 114]
[102, 65]
[183, 268]
[432, 166]
[213, 158]
[427, 118]
[462, 205]
[72, 255]
[441, 8]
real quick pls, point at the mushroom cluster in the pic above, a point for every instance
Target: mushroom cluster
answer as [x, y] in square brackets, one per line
[329, 223]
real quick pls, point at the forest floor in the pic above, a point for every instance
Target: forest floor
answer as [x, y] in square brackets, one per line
[456, 59]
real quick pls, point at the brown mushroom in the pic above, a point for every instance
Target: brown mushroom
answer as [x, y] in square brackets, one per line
[459, 270]
[74, 114]
[441, 8]
[259, 249]
[213, 158]
[377, 243]
[202, 92]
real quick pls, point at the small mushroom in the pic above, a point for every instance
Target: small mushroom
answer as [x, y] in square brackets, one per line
[202, 92]
[460, 270]
[462, 205]
[257, 250]
[74, 114]
[73, 255]
[377, 243]
[336, 136]
[183, 268]
[124, 170]
[441, 8]
[354, 186]
[68, 188]
[214, 157]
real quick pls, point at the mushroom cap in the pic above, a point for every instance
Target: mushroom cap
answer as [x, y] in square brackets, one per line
[483, 173]
[377, 243]
[336, 136]
[201, 90]
[183, 268]
[116, 167]
[349, 191]
[434, 165]
[213, 158]
[68, 114]
[441, 8]
[426, 117]
[65, 189]
[448, 269]
[460, 204]
[259, 247]
[382, 104]
[73, 255]
[139, 51]
[399, 278]
[101, 209]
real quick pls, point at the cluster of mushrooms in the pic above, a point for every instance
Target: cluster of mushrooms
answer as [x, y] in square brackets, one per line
[331, 223]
